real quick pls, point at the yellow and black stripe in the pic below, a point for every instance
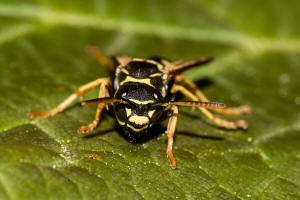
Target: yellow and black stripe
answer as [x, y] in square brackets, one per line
[142, 82]
[143, 71]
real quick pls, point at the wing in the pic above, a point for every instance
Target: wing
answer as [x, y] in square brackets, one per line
[178, 66]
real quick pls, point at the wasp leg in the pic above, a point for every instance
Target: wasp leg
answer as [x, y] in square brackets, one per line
[61, 107]
[170, 132]
[220, 122]
[226, 111]
[100, 57]
[103, 92]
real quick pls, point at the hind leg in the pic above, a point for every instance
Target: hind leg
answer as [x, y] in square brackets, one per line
[200, 96]
[220, 122]
[100, 57]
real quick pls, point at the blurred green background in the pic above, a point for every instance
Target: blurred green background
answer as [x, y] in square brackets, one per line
[42, 60]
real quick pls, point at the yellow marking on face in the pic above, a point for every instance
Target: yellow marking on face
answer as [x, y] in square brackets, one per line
[137, 129]
[141, 102]
[139, 120]
[124, 70]
[156, 75]
[146, 81]
[128, 111]
[150, 113]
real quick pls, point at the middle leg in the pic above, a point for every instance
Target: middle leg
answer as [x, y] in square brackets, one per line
[170, 132]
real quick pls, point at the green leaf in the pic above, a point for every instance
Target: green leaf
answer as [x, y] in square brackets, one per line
[43, 60]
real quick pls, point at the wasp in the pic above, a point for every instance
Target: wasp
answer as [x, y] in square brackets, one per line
[143, 91]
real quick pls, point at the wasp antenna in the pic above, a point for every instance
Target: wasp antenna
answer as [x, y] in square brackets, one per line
[198, 104]
[93, 102]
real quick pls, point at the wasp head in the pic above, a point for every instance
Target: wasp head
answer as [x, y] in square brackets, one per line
[141, 109]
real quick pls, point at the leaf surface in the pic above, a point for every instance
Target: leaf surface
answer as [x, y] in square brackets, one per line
[42, 60]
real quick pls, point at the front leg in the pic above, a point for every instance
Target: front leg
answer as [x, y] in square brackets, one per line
[61, 107]
[170, 132]
[103, 92]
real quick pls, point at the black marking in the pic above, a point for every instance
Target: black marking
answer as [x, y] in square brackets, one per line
[140, 70]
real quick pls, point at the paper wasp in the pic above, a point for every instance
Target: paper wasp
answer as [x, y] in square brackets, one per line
[143, 91]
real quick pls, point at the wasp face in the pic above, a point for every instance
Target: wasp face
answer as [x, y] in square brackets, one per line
[140, 113]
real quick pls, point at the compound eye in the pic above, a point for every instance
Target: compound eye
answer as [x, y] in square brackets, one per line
[155, 96]
[121, 113]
